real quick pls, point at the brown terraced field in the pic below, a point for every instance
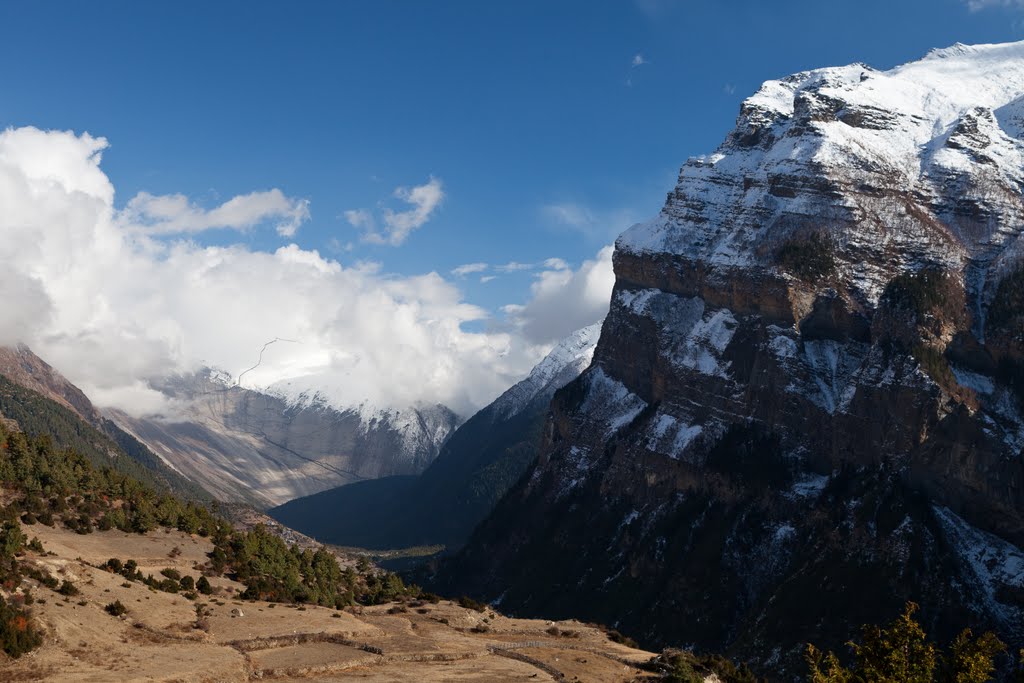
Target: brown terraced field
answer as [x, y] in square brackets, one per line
[160, 637]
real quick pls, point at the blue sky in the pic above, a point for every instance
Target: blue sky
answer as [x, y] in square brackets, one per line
[393, 138]
[515, 107]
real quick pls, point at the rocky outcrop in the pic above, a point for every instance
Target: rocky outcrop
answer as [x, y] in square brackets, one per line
[265, 449]
[805, 405]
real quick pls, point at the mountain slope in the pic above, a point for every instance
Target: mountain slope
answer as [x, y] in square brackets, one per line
[806, 400]
[42, 402]
[478, 464]
[265, 449]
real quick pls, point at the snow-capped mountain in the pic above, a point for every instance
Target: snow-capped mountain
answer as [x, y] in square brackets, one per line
[420, 428]
[564, 363]
[807, 396]
[268, 447]
[918, 165]
[476, 466]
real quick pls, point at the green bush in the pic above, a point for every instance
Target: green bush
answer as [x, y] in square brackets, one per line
[115, 608]
[17, 634]
[617, 637]
[469, 603]
[678, 666]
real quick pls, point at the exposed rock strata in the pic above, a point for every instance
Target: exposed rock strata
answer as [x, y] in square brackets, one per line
[806, 399]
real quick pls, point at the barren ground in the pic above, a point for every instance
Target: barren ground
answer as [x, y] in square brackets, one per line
[159, 638]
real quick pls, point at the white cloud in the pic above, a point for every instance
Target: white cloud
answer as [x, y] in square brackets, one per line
[397, 225]
[977, 5]
[570, 214]
[337, 246]
[603, 224]
[729, 89]
[468, 269]
[484, 279]
[111, 306]
[361, 218]
[638, 60]
[506, 268]
[563, 300]
[174, 214]
[514, 267]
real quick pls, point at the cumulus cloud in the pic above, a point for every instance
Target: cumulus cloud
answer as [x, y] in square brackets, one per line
[395, 226]
[96, 293]
[174, 214]
[563, 300]
[638, 60]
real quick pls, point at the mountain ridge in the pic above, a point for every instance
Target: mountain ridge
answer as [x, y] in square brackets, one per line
[809, 382]
[263, 449]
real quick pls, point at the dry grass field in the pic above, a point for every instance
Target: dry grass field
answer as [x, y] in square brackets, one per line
[162, 638]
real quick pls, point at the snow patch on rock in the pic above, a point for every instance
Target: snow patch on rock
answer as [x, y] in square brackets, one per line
[995, 566]
[609, 401]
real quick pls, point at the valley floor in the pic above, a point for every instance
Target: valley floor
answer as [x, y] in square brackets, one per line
[161, 638]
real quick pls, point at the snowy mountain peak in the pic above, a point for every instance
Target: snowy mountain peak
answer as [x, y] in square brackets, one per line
[919, 165]
[578, 345]
[563, 363]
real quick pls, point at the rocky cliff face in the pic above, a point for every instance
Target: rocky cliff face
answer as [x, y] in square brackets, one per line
[268, 448]
[806, 399]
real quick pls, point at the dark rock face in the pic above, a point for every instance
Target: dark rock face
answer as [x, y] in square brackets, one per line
[805, 406]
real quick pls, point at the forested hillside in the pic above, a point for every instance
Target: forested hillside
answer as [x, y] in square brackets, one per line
[38, 416]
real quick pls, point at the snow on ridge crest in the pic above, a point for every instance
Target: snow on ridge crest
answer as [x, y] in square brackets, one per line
[839, 148]
[418, 426]
[563, 363]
